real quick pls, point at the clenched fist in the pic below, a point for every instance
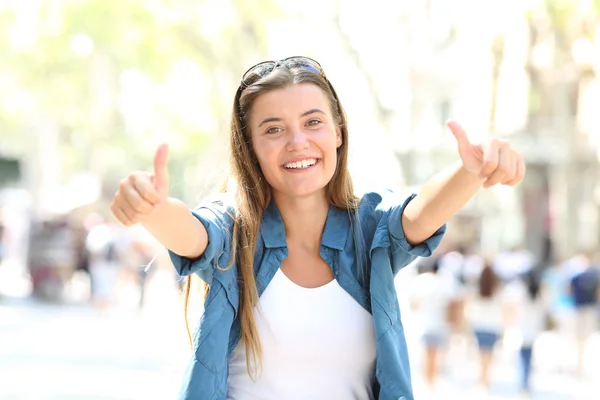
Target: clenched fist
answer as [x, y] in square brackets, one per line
[140, 192]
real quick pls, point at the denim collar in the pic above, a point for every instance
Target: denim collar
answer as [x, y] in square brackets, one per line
[335, 232]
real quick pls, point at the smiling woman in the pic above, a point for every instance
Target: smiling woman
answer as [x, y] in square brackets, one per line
[301, 302]
[300, 132]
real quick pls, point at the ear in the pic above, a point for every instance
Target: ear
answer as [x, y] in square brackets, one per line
[338, 133]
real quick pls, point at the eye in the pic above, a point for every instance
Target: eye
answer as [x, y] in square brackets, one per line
[313, 122]
[273, 130]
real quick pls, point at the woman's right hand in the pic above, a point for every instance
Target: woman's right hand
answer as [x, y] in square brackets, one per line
[140, 193]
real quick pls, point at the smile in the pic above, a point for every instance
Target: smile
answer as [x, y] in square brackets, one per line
[300, 165]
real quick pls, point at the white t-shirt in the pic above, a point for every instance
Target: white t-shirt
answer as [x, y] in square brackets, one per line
[510, 264]
[531, 312]
[452, 262]
[316, 344]
[486, 314]
[432, 294]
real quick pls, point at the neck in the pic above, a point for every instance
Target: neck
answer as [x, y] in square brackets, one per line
[304, 219]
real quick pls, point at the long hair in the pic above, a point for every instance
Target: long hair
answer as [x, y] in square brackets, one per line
[488, 281]
[252, 193]
[533, 283]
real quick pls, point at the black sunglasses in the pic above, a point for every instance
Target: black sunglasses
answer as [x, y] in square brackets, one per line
[264, 68]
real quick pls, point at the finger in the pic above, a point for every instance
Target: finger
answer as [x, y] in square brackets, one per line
[161, 178]
[129, 200]
[520, 171]
[120, 215]
[490, 158]
[129, 212]
[500, 172]
[124, 205]
[508, 163]
[136, 201]
[460, 135]
[145, 188]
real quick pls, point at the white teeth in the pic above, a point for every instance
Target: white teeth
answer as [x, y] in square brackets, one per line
[301, 164]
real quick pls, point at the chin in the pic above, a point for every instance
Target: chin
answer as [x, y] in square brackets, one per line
[302, 191]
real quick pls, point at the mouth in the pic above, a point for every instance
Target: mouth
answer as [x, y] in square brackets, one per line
[301, 165]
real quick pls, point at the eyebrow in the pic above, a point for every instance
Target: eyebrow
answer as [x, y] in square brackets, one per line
[304, 114]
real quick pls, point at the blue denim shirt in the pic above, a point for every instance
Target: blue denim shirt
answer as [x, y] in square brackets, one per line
[379, 241]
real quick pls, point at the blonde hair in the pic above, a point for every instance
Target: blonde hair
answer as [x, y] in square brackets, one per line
[253, 193]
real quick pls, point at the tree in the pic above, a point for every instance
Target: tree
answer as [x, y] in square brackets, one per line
[558, 66]
[75, 68]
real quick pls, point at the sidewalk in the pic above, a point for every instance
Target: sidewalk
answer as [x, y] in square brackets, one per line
[553, 375]
[74, 352]
[58, 352]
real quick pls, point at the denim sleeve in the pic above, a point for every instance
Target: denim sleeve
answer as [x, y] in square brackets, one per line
[403, 253]
[218, 228]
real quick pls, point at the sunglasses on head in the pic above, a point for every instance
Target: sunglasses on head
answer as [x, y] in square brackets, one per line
[264, 68]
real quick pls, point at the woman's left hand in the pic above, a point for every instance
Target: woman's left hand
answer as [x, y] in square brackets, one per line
[493, 160]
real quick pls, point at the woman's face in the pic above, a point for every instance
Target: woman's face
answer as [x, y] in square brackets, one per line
[295, 138]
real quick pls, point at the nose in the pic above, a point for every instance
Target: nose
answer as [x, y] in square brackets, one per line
[297, 140]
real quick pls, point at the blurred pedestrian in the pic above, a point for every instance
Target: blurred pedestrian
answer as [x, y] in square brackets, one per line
[52, 257]
[144, 253]
[530, 308]
[2, 235]
[512, 263]
[486, 312]
[585, 291]
[434, 293]
[561, 313]
[104, 265]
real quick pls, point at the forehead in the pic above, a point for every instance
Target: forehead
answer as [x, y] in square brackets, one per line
[289, 101]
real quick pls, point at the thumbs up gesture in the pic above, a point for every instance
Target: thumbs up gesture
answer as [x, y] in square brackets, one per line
[140, 192]
[494, 160]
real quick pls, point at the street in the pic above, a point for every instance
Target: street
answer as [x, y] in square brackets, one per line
[74, 352]
[57, 352]
[51, 351]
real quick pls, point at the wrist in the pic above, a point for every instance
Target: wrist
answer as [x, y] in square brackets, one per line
[469, 174]
[162, 211]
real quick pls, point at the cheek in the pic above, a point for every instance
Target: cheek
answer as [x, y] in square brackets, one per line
[333, 164]
[334, 149]
[267, 158]
[335, 159]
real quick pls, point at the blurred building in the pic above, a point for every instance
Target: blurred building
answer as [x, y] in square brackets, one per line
[401, 68]
[498, 69]
[493, 72]
[10, 170]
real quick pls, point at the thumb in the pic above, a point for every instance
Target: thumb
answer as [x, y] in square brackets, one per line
[460, 135]
[161, 177]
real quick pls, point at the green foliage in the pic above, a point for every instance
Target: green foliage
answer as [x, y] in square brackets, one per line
[63, 61]
[561, 24]
[561, 12]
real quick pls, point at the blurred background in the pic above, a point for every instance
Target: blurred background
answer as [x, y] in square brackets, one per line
[89, 88]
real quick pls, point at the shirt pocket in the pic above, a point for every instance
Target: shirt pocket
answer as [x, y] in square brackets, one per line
[214, 329]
